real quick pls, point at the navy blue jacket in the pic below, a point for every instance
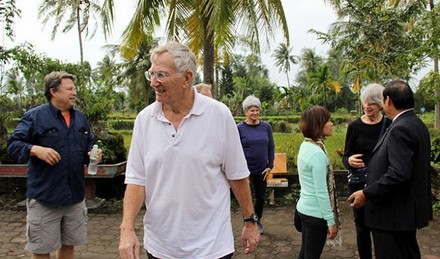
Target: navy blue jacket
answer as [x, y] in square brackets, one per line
[63, 183]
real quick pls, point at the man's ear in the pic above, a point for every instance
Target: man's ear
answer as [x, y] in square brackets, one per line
[389, 102]
[52, 91]
[189, 75]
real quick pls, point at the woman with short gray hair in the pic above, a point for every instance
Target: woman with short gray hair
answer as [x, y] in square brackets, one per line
[362, 136]
[259, 149]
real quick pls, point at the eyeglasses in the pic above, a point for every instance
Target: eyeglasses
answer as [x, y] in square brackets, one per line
[160, 76]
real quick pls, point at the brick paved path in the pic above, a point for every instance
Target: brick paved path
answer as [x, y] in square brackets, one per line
[279, 241]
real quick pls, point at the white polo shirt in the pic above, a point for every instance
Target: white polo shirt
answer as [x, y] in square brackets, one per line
[185, 173]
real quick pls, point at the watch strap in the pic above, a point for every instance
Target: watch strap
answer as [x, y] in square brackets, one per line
[253, 218]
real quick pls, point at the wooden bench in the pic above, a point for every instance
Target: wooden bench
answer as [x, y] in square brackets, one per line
[279, 169]
[92, 202]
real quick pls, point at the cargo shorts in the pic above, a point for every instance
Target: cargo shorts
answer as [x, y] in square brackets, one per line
[48, 228]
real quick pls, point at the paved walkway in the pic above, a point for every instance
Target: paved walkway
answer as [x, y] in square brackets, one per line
[280, 240]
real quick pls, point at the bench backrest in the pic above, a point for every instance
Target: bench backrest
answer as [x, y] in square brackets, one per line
[279, 166]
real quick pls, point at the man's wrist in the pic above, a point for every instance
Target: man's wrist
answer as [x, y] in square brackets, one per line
[253, 218]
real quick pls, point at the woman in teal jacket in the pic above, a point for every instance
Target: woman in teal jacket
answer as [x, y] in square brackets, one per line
[314, 207]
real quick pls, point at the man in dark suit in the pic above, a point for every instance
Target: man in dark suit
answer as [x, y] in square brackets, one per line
[397, 197]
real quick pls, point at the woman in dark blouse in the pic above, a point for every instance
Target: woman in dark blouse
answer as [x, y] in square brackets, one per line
[362, 136]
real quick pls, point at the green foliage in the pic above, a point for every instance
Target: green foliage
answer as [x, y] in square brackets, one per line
[435, 147]
[425, 95]
[379, 42]
[8, 12]
[436, 207]
[113, 147]
[97, 104]
[126, 135]
[281, 126]
[121, 124]
[289, 143]
[4, 119]
[249, 77]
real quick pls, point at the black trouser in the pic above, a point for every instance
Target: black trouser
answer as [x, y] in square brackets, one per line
[363, 233]
[258, 186]
[395, 244]
[314, 234]
[229, 256]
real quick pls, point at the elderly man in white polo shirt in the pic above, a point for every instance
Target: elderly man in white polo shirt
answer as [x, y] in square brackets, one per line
[184, 157]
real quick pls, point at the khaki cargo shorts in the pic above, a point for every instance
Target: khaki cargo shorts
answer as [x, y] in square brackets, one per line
[48, 228]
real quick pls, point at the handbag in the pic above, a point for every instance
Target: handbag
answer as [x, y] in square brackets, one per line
[357, 176]
[297, 221]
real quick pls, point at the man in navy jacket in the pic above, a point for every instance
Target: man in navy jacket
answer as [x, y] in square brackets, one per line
[55, 140]
[397, 197]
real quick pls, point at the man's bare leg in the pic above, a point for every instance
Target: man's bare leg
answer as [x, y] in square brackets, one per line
[40, 256]
[65, 252]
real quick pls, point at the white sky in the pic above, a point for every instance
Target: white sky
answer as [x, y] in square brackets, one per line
[302, 15]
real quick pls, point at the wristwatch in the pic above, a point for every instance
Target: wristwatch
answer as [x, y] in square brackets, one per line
[253, 218]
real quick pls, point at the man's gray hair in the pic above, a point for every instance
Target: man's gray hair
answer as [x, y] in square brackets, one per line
[202, 85]
[372, 93]
[251, 101]
[184, 58]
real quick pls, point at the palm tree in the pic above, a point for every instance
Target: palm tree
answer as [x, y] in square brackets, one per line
[207, 26]
[107, 72]
[16, 86]
[283, 59]
[79, 13]
[321, 80]
[310, 61]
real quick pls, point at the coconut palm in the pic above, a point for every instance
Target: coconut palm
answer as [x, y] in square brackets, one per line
[16, 86]
[283, 59]
[321, 80]
[208, 27]
[79, 13]
[310, 61]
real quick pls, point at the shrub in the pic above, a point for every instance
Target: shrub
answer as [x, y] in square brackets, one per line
[121, 124]
[435, 146]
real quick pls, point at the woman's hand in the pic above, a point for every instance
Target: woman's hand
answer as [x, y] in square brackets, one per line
[266, 173]
[356, 161]
[332, 232]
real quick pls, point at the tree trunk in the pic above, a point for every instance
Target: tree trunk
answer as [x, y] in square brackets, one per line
[437, 96]
[78, 22]
[208, 53]
[435, 59]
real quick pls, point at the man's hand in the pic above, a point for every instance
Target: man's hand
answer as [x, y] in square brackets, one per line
[98, 156]
[128, 245]
[357, 199]
[46, 154]
[250, 237]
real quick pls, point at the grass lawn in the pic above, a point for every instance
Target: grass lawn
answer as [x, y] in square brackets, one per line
[289, 143]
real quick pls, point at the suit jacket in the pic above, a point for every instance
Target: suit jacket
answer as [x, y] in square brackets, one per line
[398, 187]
